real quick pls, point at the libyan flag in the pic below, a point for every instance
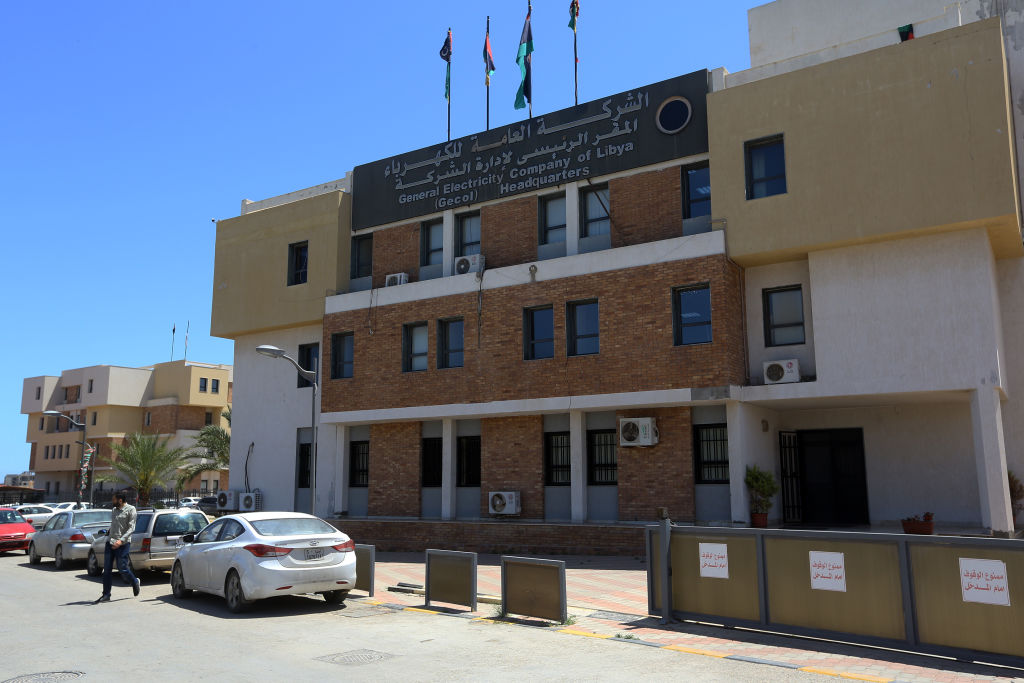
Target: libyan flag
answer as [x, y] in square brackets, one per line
[446, 55]
[525, 92]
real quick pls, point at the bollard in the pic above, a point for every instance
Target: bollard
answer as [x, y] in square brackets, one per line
[666, 571]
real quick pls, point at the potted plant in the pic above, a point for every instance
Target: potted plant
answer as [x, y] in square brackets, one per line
[919, 524]
[762, 487]
[1016, 494]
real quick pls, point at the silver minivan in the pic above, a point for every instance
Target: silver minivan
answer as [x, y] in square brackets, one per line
[154, 542]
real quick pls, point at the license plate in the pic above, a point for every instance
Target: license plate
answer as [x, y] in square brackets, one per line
[314, 553]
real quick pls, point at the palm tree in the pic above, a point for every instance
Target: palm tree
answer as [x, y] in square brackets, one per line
[213, 448]
[144, 461]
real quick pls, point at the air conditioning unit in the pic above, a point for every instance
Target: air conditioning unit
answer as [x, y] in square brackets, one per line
[396, 279]
[781, 371]
[503, 502]
[637, 431]
[227, 500]
[258, 497]
[474, 263]
[247, 501]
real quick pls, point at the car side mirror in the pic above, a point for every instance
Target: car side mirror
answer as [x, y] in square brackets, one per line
[101, 532]
[188, 538]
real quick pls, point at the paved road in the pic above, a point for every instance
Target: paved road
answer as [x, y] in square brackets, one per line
[51, 625]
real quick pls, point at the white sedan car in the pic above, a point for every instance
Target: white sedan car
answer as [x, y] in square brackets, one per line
[36, 515]
[255, 555]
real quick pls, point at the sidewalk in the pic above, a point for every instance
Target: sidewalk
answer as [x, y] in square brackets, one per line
[607, 598]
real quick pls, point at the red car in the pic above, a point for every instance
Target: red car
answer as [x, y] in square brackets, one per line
[15, 532]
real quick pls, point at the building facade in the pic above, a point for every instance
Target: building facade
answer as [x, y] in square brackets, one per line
[812, 266]
[174, 400]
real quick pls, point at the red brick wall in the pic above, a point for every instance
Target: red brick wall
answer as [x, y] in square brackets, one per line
[660, 475]
[636, 342]
[509, 232]
[396, 250]
[512, 459]
[394, 470]
[162, 419]
[646, 207]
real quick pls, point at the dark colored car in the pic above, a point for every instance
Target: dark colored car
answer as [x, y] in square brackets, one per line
[208, 504]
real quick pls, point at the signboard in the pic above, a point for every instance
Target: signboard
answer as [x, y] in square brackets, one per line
[984, 581]
[647, 125]
[828, 571]
[714, 560]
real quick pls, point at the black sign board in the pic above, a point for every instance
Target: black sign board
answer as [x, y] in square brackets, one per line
[643, 126]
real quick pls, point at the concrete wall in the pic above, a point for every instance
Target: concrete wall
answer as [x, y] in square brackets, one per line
[758, 279]
[1010, 274]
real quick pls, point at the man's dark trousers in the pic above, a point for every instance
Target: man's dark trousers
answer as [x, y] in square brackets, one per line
[119, 555]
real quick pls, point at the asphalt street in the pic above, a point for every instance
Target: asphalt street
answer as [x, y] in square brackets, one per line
[51, 625]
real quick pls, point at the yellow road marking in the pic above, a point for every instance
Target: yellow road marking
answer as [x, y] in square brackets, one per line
[867, 677]
[816, 670]
[582, 633]
[425, 611]
[695, 651]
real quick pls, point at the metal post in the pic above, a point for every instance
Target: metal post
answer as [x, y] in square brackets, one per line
[666, 571]
[312, 473]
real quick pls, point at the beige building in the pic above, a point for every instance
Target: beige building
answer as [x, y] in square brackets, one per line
[174, 399]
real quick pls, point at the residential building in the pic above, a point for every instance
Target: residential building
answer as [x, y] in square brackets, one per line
[809, 266]
[174, 400]
[25, 479]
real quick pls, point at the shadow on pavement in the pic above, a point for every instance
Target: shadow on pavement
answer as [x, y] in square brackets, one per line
[282, 606]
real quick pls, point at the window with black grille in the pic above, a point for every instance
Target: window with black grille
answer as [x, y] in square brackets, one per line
[359, 464]
[602, 462]
[711, 453]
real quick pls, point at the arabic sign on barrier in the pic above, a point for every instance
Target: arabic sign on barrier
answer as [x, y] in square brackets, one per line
[714, 560]
[984, 581]
[828, 571]
[647, 125]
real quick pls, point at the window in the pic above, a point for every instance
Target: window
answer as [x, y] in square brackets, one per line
[467, 457]
[309, 359]
[362, 256]
[538, 333]
[46, 453]
[60, 452]
[210, 533]
[208, 419]
[582, 334]
[304, 461]
[359, 464]
[431, 459]
[298, 261]
[449, 343]
[696, 191]
[432, 243]
[602, 465]
[595, 212]
[783, 316]
[214, 386]
[414, 351]
[38, 392]
[342, 351]
[66, 395]
[202, 384]
[48, 525]
[42, 422]
[556, 459]
[149, 418]
[94, 417]
[203, 485]
[711, 453]
[552, 217]
[766, 167]
[692, 314]
[215, 484]
[469, 234]
[90, 386]
[56, 489]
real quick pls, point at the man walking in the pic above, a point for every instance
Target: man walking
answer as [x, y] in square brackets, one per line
[119, 543]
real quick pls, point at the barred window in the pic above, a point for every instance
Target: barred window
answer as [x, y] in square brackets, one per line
[557, 468]
[711, 453]
[359, 464]
[602, 463]
[431, 458]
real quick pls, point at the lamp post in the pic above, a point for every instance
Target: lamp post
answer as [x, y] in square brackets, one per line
[310, 376]
[85, 444]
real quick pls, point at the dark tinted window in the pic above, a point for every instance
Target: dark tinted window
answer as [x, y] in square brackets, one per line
[359, 464]
[430, 462]
[467, 461]
[766, 168]
[692, 307]
[539, 333]
[583, 338]
[176, 524]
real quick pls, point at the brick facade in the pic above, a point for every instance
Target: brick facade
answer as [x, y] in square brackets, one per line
[394, 470]
[509, 232]
[646, 207]
[660, 475]
[512, 459]
[396, 250]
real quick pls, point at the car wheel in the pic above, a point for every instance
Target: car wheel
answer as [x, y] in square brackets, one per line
[58, 559]
[178, 582]
[92, 565]
[335, 597]
[33, 558]
[233, 593]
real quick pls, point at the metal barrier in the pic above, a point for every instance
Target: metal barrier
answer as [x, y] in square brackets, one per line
[366, 560]
[937, 594]
[534, 588]
[451, 577]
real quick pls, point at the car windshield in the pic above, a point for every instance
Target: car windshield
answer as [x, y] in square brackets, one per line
[292, 526]
[10, 517]
[172, 525]
[91, 517]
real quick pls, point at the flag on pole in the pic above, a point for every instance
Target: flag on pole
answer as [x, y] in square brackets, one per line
[488, 59]
[523, 59]
[446, 55]
[574, 11]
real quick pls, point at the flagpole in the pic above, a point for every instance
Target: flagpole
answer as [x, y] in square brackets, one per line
[486, 41]
[575, 69]
[529, 11]
[174, 328]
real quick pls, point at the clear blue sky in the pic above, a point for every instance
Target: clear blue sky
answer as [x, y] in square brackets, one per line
[127, 126]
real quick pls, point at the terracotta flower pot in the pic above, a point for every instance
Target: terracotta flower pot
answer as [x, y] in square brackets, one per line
[916, 526]
[759, 520]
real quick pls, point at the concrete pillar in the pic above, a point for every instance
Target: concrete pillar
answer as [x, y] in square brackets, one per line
[737, 419]
[578, 465]
[448, 238]
[448, 469]
[572, 219]
[990, 459]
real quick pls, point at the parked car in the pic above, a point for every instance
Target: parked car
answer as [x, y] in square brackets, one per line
[67, 536]
[15, 532]
[254, 555]
[155, 541]
[36, 515]
[72, 505]
[188, 502]
[208, 504]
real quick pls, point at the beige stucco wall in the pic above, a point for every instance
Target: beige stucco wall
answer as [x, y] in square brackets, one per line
[250, 290]
[756, 280]
[1011, 285]
[911, 137]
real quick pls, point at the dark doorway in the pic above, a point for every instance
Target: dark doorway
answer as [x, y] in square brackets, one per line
[824, 482]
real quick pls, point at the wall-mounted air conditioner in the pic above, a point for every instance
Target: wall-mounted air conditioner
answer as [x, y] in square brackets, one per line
[781, 371]
[227, 500]
[247, 501]
[637, 431]
[396, 279]
[474, 263]
[503, 502]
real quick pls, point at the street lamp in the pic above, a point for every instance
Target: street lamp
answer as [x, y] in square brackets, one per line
[85, 444]
[310, 376]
